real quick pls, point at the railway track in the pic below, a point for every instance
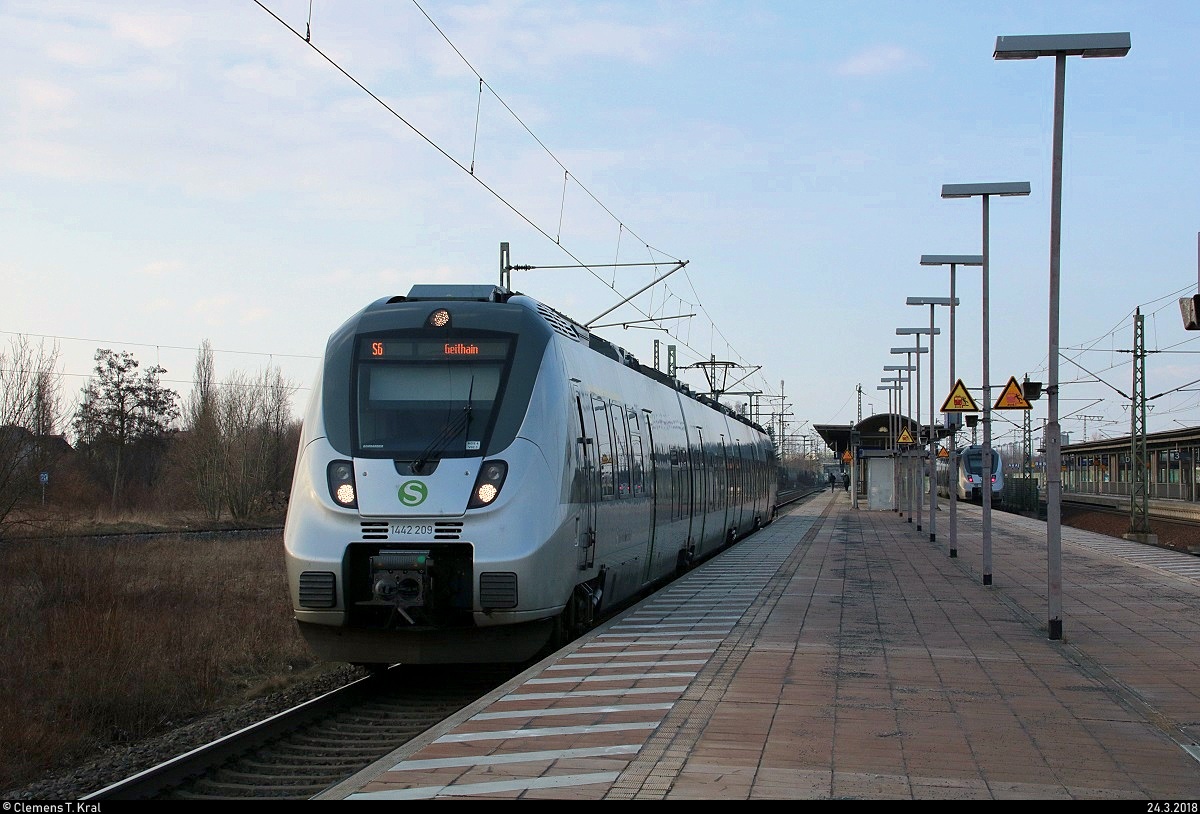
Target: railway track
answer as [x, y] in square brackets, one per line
[298, 753]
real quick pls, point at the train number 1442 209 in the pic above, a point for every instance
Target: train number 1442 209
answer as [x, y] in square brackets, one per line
[407, 528]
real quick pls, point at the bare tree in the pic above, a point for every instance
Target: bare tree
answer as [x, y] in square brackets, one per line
[253, 420]
[201, 442]
[30, 417]
[121, 408]
[283, 431]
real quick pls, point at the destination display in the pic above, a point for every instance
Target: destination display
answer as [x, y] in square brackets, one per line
[393, 349]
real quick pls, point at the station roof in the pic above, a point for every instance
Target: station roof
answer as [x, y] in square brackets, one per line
[872, 432]
[1161, 439]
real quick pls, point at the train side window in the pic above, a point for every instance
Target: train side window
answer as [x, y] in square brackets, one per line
[711, 485]
[736, 487]
[583, 487]
[621, 447]
[637, 466]
[720, 463]
[742, 471]
[678, 460]
[638, 469]
[721, 494]
[604, 447]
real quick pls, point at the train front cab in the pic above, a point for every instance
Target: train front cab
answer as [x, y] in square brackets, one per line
[398, 550]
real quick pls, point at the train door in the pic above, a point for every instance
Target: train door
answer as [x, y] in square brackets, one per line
[755, 481]
[743, 488]
[700, 465]
[605, 456]
[649, 480]
[679, 495]
[587, 476]
[727, 494]
[739, 485]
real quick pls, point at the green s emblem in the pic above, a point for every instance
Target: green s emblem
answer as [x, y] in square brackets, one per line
[413, 493]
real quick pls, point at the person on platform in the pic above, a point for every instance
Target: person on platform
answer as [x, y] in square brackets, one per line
[846, 481]
[832, 481]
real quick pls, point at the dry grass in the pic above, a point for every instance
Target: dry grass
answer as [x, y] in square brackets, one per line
[107, 642]
[53, 524]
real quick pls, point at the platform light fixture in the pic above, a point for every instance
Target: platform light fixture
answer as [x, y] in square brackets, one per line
[907, 371]
[909, 351]
[1059, 46]
[918, 333]
[953, 261]
[986, 192]
[932, 302]
[893, 408]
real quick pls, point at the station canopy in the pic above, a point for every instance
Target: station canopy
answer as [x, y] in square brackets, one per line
[872, 432]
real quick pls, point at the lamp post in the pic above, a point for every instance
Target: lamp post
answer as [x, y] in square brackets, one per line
[986, 191]
[1059, 46]
[889, 388]
[894, 431]
[918, 332]
[892, 388]
[932, 302]
[952, 260]
[910, 352]
[907, 371]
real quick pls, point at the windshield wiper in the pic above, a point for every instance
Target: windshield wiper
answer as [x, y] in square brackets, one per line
[448, 433]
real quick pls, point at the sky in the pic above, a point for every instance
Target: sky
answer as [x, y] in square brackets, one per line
[176, 172]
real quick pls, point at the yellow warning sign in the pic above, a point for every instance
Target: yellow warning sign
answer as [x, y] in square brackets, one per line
[943, 452]
[959, 400]
[847, 457]
[1012, 398]
[904, 438]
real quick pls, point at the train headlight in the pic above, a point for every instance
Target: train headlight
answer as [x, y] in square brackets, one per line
[487, 484]
[340, 475]
[439, 319]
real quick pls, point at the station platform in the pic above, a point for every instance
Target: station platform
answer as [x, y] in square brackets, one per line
[838, 653]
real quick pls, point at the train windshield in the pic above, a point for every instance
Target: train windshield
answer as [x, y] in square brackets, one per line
[422, 399]
[973, 461]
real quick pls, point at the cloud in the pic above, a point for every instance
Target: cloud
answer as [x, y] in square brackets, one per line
[160, 305]
[153, 31]
[551, 35]
[257, 314]
[211, 307]
[78, 54]
[42, 96]
[877, 60]
[161, 268]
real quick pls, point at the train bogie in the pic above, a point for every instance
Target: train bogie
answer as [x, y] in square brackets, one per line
[477, 472]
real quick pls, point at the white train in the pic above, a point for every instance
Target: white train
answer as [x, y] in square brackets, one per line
[968, 479]
[479, 476]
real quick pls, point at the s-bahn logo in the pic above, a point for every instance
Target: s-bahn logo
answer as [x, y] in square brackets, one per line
[413, 493]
